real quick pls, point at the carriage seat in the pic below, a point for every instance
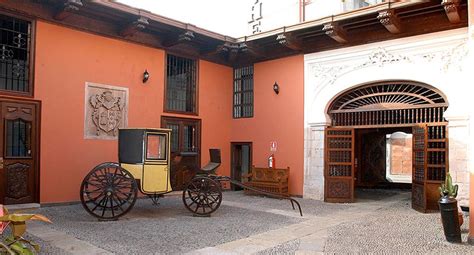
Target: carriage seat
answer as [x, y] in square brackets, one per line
[215, 161]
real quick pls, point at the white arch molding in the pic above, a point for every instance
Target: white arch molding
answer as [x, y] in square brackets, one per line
[437, 60]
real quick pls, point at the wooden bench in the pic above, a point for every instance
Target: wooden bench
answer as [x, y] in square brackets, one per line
[273, 180]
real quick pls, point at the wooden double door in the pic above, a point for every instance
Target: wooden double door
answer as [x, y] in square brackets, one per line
[185, 149]
[429, 157]
[19, 152]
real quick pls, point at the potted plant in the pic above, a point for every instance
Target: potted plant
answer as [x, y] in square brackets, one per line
[450, 215]
[16, 244]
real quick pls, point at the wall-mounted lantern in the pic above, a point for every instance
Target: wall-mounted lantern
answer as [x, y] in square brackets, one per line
[146, 76]
[276, 88]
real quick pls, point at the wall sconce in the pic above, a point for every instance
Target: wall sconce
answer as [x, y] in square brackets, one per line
[276, 88]
[146, 76]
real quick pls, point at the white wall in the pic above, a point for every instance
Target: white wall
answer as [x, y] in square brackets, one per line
[322, 8]
[436, 59]
[280, 13]
[276, 14]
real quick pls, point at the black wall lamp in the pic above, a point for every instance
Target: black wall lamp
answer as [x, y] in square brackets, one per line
[146, 76]
[276, 88]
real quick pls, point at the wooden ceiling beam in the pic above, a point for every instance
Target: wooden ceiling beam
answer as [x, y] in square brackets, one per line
[453, 10]
[185, 37]
[289, 41]
[138, 25]
[336, 32]
[221, 48]
[233, 54]
[251, 48]
[67, 9]
[390, 21]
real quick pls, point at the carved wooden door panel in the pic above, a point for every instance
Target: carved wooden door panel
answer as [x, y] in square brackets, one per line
[420, 145]
[339, 165]
[18, 175]
[373, 159]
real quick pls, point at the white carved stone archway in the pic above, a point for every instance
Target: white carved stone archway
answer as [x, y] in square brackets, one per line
[434, 59]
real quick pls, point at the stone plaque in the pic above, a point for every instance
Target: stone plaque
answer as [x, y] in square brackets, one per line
[106, 109]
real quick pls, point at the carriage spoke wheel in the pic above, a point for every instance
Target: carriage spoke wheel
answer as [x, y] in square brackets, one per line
[108, 191]
[202, 196]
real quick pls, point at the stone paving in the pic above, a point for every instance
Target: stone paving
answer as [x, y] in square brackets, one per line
[380, 223]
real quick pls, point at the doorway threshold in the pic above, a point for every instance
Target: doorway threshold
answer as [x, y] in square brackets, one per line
[23, 206]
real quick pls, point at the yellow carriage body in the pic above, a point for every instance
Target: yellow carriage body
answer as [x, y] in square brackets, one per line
[145, 153]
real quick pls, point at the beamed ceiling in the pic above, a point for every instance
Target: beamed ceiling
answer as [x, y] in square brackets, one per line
[372, 24]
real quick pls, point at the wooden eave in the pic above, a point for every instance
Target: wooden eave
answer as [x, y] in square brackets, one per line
[361, 26]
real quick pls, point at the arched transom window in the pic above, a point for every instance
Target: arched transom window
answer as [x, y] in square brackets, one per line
[389, 103]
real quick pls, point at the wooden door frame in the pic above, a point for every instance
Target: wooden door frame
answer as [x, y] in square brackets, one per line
[232, 149]
[431, 183]
[199, 125]
[37, 156]
[164, 118]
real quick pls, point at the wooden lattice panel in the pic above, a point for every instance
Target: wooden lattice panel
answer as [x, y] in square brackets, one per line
[437, 153]
[396, 103]
[419, 153]
[339, 165]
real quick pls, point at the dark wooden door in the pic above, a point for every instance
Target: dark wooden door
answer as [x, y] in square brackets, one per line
[241, 161]
[18, 151]
[430, 164]
[420, 145]
[372, 160]
[339, 165]
[185, 149]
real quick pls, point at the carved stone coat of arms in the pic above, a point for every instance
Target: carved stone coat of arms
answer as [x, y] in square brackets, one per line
[107, 114]
[106, 111]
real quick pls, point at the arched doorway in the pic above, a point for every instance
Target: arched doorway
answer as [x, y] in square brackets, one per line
[407, 106]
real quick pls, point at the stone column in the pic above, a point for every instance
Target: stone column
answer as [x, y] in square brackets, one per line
[458, 131]
[313, 187]
[469, 64]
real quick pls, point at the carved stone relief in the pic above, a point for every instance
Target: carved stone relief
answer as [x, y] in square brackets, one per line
[450, 59]
[106, 109]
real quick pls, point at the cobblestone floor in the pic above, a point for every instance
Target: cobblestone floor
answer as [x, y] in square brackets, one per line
[380, 222]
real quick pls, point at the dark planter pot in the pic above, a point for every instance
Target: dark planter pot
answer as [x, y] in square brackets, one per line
[449, 216]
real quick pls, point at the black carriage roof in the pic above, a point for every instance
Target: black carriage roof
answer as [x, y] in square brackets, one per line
[132, 143]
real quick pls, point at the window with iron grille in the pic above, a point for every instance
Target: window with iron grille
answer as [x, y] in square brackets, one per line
[15, 41]
[243, 92]
[181, 84]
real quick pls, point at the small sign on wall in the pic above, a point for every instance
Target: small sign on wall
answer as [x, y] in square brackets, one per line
[273, 146]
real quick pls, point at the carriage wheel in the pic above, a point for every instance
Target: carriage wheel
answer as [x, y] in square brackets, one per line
[108, 191]
[202, 196]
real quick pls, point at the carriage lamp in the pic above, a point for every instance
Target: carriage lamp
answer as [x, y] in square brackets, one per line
[276, 88]
[146, 76]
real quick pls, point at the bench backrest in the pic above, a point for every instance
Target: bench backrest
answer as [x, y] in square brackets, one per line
[270, 174]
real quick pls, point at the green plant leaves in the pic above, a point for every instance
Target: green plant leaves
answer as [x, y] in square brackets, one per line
[16, 244]
[15, 217]
[447, 188]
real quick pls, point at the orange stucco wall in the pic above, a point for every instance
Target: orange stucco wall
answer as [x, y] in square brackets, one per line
[66, 59]
[215, 109]
[277, 117]
[471, 181]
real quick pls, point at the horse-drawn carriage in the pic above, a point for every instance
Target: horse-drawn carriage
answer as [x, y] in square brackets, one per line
[110, 189]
